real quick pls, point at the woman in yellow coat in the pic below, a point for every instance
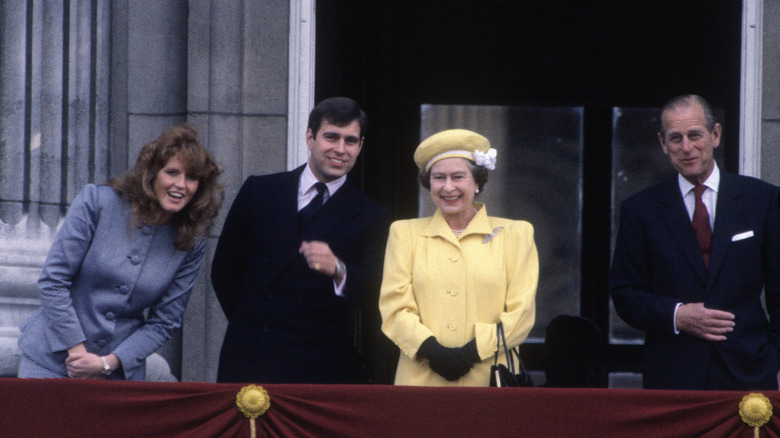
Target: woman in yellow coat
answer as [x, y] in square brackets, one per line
[450, 278]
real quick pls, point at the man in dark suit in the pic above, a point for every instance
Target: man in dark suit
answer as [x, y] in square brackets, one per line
[692, 257]
[300, 251]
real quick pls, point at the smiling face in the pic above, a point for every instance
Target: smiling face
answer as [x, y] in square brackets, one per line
[174, 188]
[688, 142]
[452, 190]
[334, 150]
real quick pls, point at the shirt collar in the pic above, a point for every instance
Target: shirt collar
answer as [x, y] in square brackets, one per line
[308, 180]
[479, 224]
[713, 182]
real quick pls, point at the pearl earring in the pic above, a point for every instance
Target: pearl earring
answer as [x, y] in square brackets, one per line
[477, 190]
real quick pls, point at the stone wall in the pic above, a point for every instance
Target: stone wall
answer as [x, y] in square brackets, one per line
[770, 126]
[237, 96]
[54, 103]
[82, 89]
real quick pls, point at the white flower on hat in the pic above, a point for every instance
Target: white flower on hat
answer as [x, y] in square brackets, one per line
[486, 159]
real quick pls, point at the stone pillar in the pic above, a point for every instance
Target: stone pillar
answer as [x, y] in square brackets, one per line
[53, 135]
[83, 86]
[237, 96]
[770, 105]
[149, 88]
[82, 89]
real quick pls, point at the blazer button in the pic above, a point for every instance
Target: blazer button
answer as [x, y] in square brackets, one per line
[134, 259]
[101, 343]
[451, 327]
[454, 258]
[453, 292]
[146, 230]
[110, 316]
[123, 289]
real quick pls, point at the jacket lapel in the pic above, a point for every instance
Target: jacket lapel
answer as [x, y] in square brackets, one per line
[728, 213]
[339, 208]
[283, 214]
[675, 215]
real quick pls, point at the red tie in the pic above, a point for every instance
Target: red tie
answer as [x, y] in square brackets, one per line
[701, 224]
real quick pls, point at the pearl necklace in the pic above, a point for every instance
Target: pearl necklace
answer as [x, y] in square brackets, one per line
[457, 233]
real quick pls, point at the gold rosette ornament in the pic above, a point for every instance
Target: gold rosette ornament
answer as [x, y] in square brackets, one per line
[755, 410]
[253, 401]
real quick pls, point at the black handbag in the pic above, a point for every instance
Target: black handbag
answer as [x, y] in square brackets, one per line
[505, 375]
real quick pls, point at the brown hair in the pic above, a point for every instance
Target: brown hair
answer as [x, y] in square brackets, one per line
[339, 111]
[137, 184]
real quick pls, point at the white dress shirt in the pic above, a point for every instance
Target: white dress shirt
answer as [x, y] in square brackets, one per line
[307, 192]
[709, 197]
[710, 200]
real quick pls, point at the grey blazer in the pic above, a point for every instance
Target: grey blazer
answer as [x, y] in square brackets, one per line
[101, 276]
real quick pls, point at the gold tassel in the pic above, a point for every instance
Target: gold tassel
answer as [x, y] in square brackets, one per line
[755, 410]
[253, 401]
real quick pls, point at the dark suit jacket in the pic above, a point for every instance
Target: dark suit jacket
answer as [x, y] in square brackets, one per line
[657, 264]
[285, 323]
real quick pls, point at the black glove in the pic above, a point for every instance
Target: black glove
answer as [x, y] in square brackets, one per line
[450, 363]
[470, 350]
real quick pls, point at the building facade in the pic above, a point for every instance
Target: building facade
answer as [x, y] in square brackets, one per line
[85, 83]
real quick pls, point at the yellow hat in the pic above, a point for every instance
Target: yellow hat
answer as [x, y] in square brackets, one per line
[451, 143]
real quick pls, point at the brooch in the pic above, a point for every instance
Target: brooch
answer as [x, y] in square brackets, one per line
[489, 237]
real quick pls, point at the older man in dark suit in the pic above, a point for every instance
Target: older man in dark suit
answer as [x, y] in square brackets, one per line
[300, 251]
[693, 255]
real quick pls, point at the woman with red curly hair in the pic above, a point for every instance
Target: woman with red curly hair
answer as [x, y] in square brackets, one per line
[119, 273]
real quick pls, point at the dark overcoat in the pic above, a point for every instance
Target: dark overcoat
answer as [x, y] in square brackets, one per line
[285, 322]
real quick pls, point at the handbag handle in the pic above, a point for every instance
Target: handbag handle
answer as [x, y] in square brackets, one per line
[501, 339]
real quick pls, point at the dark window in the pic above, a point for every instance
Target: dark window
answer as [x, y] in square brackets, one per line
[608, 59]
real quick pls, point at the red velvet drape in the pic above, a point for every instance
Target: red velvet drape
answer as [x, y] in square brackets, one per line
[72, 408]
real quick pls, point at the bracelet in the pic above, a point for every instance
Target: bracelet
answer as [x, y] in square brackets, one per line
[106, 367]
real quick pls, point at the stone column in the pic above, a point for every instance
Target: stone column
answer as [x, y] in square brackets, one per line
[237, 96]
[53, 137]
[83, 86]
[770, 105]
[149, 88]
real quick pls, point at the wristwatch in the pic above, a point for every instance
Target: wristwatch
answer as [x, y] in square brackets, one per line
[341, 269]
[106, 367]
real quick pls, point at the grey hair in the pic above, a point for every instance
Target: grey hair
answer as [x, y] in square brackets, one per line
[685, 101]
[479, 173]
